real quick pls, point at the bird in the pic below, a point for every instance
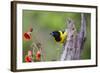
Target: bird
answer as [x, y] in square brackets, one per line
[59, 36]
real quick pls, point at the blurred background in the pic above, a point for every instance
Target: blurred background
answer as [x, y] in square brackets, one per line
[43, 23]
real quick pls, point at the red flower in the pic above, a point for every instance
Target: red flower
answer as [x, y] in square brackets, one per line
[38, 56]
[27, 36]
[28, 59]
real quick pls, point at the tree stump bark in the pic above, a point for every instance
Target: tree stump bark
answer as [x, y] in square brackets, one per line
[74, 43]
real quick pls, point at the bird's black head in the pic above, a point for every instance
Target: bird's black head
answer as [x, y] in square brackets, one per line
[56, 35]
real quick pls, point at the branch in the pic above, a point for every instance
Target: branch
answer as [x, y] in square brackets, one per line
[74, 42]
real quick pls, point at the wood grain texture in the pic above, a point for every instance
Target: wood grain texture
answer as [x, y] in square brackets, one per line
[75, 41]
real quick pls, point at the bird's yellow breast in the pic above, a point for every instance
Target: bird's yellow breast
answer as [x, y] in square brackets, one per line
[63, 36]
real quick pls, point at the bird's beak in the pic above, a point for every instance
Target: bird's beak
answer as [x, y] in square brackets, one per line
[50, 33]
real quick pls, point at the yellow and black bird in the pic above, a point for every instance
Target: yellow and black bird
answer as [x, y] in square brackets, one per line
[60, 36]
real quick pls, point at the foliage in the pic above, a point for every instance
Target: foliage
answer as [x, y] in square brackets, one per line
[44, 22]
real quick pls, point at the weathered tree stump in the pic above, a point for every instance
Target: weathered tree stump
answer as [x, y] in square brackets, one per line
[74, 43]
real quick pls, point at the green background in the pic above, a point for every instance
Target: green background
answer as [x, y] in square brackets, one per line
[44, 22]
